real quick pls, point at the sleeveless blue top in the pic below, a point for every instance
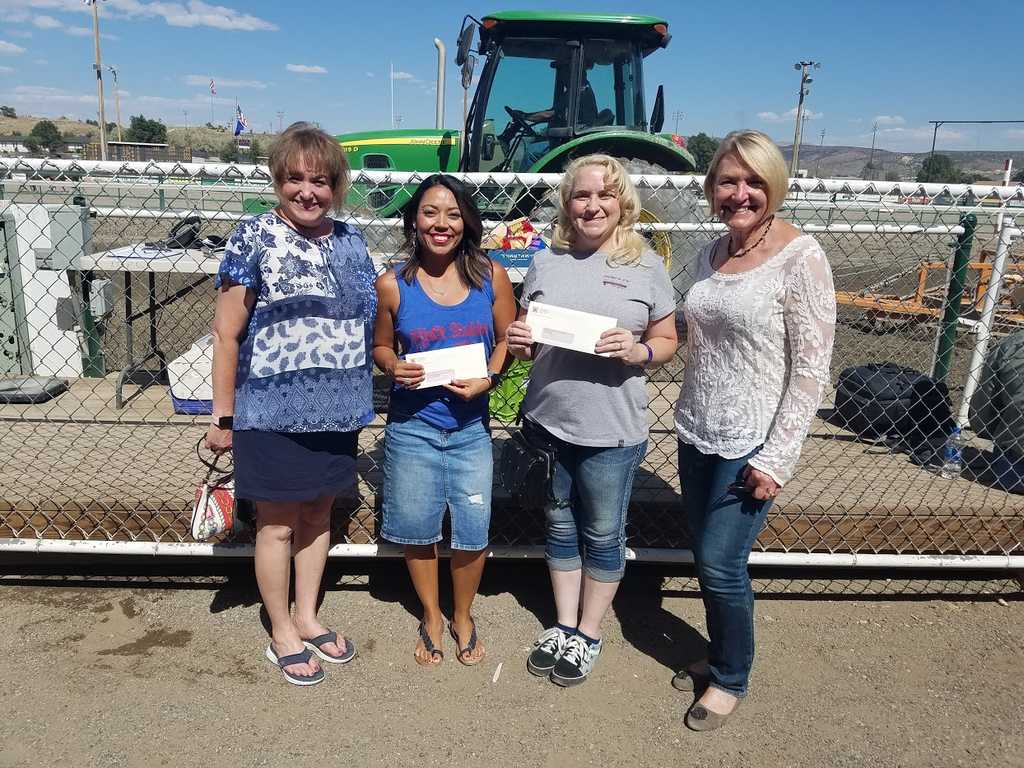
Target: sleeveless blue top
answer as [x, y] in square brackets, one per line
[423, 325]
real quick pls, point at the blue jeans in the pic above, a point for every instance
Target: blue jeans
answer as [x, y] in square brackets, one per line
[428, 470]
[724, 521]
[586, 516]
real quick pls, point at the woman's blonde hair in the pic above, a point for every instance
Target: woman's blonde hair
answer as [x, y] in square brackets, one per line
[305, 144]
[627, 246]
[759, 153]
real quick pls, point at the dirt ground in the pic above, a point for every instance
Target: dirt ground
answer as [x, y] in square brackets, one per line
[167, 670]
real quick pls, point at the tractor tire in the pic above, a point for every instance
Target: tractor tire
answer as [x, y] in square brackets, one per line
[670, 205]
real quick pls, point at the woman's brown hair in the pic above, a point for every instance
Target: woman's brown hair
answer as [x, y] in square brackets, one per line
[305, 144]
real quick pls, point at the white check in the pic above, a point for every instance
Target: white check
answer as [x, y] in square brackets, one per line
[567, 328]
[443, 366]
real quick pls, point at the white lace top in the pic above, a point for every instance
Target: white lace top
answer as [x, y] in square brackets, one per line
[758, 350]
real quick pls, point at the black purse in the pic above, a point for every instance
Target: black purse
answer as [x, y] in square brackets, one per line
[527, 467]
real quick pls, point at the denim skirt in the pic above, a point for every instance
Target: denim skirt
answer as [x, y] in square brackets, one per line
[428, 470]
[293, 466]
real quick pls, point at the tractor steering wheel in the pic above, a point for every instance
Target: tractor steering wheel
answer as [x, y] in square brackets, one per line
[519, 120]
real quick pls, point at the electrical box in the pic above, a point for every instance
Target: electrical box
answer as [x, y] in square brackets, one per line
[101, 297]
[69, 232]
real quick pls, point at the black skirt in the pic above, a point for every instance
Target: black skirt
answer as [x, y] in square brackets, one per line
[293, 466]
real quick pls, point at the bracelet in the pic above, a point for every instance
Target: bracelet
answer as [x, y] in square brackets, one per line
[650, 354]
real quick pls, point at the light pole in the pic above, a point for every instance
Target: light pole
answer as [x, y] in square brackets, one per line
[821, 145]
[98, 66]
[280, 120]
[117, 101]
[805, 80]
[677, 115]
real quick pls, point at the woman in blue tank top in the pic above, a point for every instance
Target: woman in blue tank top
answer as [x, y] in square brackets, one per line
[437, 447]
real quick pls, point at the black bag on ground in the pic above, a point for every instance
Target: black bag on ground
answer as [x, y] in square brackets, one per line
[885, 400]
[527, 467]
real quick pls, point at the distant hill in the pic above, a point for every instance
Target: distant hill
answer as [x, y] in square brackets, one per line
[849, 162]
[203, 140]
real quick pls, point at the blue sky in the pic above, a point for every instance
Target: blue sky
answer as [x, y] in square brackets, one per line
[898, 63]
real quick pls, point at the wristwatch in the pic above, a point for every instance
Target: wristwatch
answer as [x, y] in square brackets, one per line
[223, 422]
[495, 377]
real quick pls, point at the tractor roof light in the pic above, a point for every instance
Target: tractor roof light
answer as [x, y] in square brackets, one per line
[489, 23]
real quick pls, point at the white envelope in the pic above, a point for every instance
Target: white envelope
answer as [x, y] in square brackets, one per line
[567, 328]
[443, 366]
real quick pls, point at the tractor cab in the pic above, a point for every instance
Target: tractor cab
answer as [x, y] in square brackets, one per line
[548, 80]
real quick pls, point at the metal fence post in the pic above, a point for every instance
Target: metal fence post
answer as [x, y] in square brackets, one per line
[951, 314]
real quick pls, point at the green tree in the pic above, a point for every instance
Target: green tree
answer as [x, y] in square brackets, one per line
[147, 131]
[939, 169]
[44, 135]
[892, 175]
[6, 111]
[702, 147]
[229, 152]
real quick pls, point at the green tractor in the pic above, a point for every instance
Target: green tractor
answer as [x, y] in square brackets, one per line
[553, 86]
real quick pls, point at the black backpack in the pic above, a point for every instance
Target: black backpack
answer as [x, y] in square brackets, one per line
[885, 400]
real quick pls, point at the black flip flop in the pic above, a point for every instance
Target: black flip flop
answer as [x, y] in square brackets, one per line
[428, 644]
[470, 646]
[315, 645]
[302, 657]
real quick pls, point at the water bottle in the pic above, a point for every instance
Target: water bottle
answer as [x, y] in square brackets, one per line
[952, 455]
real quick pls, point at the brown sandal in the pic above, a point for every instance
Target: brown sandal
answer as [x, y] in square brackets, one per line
[428, 646]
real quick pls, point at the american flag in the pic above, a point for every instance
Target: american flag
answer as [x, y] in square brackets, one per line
[213, 87]
[240, 122]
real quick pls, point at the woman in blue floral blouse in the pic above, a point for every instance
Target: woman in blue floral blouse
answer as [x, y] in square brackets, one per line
[292, 363]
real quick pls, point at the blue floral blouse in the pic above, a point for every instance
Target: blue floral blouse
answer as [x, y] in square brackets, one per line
[304, 364]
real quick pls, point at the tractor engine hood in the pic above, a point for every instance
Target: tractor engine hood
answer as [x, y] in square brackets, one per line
[406, 149]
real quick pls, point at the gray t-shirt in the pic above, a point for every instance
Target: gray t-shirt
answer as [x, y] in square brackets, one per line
[586, 399]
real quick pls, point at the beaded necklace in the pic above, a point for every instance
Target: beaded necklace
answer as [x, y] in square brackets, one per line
[748, 249]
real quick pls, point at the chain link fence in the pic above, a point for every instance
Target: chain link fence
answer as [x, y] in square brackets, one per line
[106, 300]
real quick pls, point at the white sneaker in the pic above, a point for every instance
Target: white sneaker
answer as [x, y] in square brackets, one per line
[577, 660]
[548, 649]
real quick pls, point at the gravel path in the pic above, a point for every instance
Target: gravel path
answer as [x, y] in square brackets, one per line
[170, 672]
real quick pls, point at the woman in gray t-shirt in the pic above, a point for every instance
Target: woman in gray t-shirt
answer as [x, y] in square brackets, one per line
[592, 409]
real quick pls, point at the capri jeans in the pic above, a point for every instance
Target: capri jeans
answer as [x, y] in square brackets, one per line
[724, 520]
[586, 514]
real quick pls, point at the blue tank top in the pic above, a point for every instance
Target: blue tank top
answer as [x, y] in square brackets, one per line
[423, 325]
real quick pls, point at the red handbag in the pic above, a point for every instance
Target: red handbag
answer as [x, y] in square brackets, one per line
[213, 511]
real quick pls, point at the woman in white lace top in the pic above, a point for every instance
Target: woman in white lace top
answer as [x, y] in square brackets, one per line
[760, 321]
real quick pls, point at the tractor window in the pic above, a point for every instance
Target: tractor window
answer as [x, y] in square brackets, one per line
[611, 95]
[531, 78]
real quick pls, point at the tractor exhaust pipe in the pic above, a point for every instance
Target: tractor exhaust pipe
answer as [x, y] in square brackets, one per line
[439, 110]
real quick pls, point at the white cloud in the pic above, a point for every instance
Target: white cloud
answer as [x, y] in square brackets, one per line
[22, 33]
[191, 13]
[307, 69]
[400, 75]
[786, 117]
[890, 120]
[10, 49]
[46, 22]
[204, 80]
[42, 94]
[87, 32]
[6, 70]
[1015, 133]
[370, 74]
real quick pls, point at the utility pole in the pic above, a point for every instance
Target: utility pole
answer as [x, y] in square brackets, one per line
[98, 66]
[677, 115]
[805, 80]
[280, 120]
[871, 156]
[391, 77]
[821, 144]
[117, 101]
